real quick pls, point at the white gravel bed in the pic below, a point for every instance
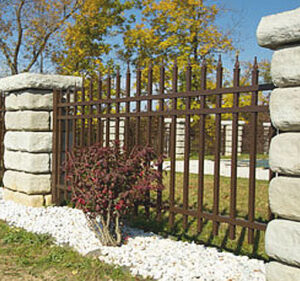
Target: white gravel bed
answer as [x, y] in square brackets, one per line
[145, 254]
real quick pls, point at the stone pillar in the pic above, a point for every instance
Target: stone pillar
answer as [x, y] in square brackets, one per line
[281, 32]
[112, 130]
[227, 129]
[28, 137]
[180, 129]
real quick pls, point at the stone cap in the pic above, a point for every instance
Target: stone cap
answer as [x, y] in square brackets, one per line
[229, 122]
[38, 81]
[279, 30]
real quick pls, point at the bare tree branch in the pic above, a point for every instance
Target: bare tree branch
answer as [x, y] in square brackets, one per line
[20, 34]
[48, 35]
[5, 50]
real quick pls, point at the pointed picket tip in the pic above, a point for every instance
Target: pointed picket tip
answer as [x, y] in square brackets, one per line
[237, 62]
[255, 64]
[220, 61]
[128, 66]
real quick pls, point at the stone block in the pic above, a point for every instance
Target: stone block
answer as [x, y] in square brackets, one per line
[51, 121]
[276, 271]
[285, 108]
[27, 162]
[279, 29]
[284, 154]
[27, 183]
[23, 199]
[38, 81]
[285, 67]
[282, 241]
[27, 121]
[31, 99]
[48, 200]
[284, 197]
[28, 141]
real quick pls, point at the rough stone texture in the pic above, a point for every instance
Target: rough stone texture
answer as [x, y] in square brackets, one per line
[27, 121]
[38, 81]
[51, 121]
[31, 99]
[285, 108]
[285, 67]
[279, 29]
[28, 141]
[284, 197]
[27, 162]
[24, 199]
[48, 200]
[282, 241]
[284, 155]
[27, 183]
[276, 271]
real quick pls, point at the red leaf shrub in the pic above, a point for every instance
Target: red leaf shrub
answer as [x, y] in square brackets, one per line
[106, 181]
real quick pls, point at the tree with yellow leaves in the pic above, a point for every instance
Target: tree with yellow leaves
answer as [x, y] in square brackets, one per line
[175, 29]
[89, 38]
[27, 27]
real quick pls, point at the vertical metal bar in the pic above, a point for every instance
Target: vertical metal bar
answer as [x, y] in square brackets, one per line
[90, 119]
[127, 108]
[173, 146]
[186, 163]
[59, 145]
[149, 128]
[201, 150]
[149, 103]
[160, 136]
[138, 107]
[67, 140]
[118, 91]
[107, 132]
[217, 151]
[99, 120]
[82, 129]
[54, 147]
[234, 152]
[74, 120]
[253, 147]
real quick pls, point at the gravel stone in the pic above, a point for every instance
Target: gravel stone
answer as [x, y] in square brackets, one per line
[145, 254]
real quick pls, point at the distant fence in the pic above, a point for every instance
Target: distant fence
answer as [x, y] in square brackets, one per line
[84, 117]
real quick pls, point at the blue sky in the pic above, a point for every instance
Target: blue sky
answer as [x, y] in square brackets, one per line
[243, 17]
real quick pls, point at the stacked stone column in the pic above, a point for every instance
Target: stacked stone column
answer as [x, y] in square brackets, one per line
[281, 32]
[227, 128]
[180, 135]
[28, 137]
[112, 130]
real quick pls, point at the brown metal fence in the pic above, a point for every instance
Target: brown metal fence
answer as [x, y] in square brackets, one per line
[84, 116]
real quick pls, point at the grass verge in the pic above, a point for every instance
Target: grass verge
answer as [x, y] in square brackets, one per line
[26, 256]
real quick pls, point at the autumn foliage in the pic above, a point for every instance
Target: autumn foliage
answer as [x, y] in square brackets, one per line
[106, 181]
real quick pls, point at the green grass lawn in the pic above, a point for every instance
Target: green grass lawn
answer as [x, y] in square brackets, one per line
[26, 256]
[222, 241]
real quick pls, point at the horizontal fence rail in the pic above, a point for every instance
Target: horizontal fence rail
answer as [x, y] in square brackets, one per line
[148, 112]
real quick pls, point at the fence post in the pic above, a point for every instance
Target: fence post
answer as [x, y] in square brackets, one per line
[28, 137]
[281, 32]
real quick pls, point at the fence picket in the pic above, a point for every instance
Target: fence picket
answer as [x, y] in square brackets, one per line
[75, 120]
